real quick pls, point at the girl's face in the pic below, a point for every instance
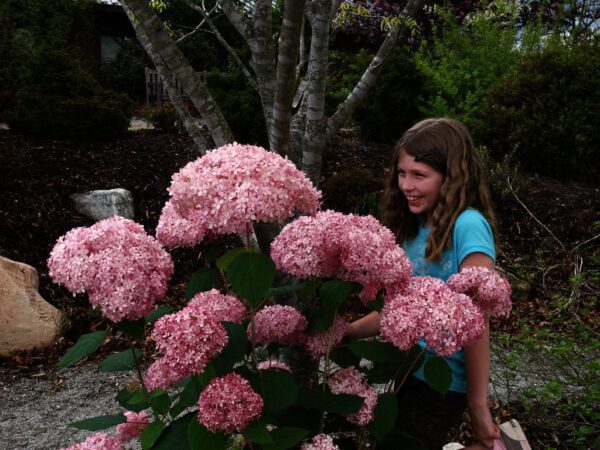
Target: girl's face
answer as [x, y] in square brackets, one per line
[421, 185]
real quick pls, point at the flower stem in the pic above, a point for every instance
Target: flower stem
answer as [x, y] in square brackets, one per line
[408, 372]
[136, 361]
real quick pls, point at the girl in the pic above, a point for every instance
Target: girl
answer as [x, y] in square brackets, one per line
[437, 203]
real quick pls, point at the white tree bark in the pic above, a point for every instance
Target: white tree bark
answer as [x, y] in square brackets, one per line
[190, 125]
[190, 81]
[314, 132]
[289, 47]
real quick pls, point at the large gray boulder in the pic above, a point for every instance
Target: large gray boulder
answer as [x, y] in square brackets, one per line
[102, 204]
[27, 321]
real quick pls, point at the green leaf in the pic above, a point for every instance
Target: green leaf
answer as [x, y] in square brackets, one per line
[343, 357]
[334, 293]
[326, 401]
[251, 275]
[151, 433]
[120, 361]
[162, 310]
[284, 290]
[210, 252]
[377, 351]
[257, 432]
[160, 402]
[224, 261]
[199, 438]
[175, 435]
[286, 437]
[438, 374]
[234, 351]
[188, 397]
[133, 328]
[99, 422]
[124, 398]
[278, 388]
[386, 412]
[205, 377]
[202, 280]
[85, 346]
[309, 290]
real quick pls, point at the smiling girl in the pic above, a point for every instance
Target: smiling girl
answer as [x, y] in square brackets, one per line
[437, 204]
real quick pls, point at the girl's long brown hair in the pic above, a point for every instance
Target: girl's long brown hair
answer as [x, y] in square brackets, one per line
[445, 145]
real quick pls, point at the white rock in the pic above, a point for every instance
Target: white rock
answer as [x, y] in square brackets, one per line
[27, 321]
[102, 204]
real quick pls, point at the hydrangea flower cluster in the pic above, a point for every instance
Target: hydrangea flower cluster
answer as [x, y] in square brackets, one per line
[228, 404]
[230, 187]
[219, 307]
[123, 270]
[486, 287]
[189, 340]
[348, 247]
[320, 442]
[318, 343]
[351, 381]
[278, 323]
[273, 364]
[134, 426]
[429, 309]
[98, 441]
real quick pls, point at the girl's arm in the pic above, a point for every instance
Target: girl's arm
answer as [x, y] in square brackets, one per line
[366, 326]
[477, 360]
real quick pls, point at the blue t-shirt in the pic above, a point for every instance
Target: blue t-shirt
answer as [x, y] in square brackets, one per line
[472, 233]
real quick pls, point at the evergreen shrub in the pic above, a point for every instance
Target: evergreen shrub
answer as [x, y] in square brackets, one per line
[352, 191]
[56, 97]
[548, 112]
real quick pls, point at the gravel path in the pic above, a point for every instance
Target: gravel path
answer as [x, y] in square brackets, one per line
[35, 410]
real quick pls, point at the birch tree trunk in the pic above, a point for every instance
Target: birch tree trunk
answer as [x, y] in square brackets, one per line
[190, 125]
[147, 19]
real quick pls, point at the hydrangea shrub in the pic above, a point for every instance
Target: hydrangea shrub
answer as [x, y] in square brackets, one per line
[227, 365]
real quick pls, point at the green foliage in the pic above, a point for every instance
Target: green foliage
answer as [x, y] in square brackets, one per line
[85, 346]
[99, 422]
[241, 104]
[56, 97]
[391, 105]
[470, 58]
[548, 111]
[121, 361]
[163, 117]
[125, 73]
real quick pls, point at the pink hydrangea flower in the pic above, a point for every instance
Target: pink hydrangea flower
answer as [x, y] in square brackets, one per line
[318, 343]
[320, 442]
[189, 340]
[228, 404]
[490, 291]
[97, 441]
[123, 270]
[351, 381]
[134, 426]
[278, 323]
[429, 309]
[229, 187]
[273, 364]
[220, 307]
[349, 247]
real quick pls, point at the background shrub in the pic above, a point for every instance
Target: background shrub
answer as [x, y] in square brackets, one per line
[391, 106]
[548, 112]
[56, 97]
[353, 190]
[242, 105]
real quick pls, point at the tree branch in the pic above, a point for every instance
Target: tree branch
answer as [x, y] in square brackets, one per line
[177, 64]
[239, 22]
[345, 110]
[223, 42]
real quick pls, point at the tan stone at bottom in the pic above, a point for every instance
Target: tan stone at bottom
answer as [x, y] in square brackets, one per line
[27, 321]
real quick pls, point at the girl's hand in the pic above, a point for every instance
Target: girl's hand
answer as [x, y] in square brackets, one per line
[484, 428]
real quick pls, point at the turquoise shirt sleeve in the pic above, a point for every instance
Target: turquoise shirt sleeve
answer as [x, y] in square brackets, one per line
[473, 233]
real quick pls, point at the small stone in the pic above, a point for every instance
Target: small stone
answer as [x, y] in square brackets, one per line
[103, 204]
[27, 321]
